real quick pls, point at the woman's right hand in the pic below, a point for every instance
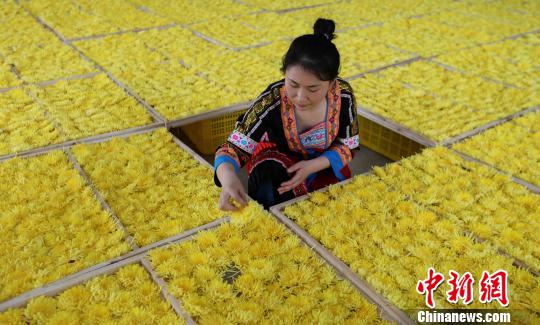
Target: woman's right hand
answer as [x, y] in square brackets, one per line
[231, 188]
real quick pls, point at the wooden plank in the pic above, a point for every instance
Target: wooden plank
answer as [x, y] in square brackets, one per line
[186, 235]
[344, 30]
[209, 114]
[54, 81]
[534, 31]
[398, 128]
[177, 307]
[211, 40]
[249, 47]
[487, 126]
[400, 63]
[395, 48]
[122, 133]
[91, 139]
[282, 11]
[5, 90]
[75, 77]
[388, 311]
[533, 188]
[134, 30]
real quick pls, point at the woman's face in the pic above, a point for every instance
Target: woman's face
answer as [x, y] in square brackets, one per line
[305, 90]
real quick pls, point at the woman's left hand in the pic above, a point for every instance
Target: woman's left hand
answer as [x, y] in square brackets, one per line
[302, 170]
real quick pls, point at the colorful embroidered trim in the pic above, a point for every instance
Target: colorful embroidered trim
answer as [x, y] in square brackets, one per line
[351, 142]
[242, 141]
[314, 138]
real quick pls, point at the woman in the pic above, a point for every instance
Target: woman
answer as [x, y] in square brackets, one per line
[299, 134]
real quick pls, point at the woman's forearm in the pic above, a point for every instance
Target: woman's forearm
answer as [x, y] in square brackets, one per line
[320, 163]
[225, 172]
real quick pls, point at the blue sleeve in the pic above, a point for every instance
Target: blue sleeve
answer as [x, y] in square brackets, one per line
[223, 159]
[335, 163]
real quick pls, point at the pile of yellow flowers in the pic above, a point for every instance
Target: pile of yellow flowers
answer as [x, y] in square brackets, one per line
[214, 63]
[359, 54]
[510, 61]
[86, 18]
[518, 13]
[291, 24]
[437, 102]
[391, 241]
[512, 146]
[472, 91]
[254, 271]
[34, 51]
[172, 44]
[85, 107]
[23, 124]
[156, 189]
[188, 12]
[439, 32]
[485, 202]
[51, 224]
[418, 110]
[237, 35]
[223, 68]
[126, 297]
[271, 53]
[173, 89]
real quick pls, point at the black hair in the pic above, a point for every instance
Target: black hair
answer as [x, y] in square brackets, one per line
[315, 52]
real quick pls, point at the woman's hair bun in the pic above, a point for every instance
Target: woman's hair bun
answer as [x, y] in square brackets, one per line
[324, 28]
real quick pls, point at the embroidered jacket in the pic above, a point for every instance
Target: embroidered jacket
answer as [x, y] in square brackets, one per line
[271, 118]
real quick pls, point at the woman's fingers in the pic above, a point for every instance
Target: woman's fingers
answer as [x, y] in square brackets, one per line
[294, 168]
[293, 182]
[287, 186]
[239, 197]
[224, 203]
[246, 197]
